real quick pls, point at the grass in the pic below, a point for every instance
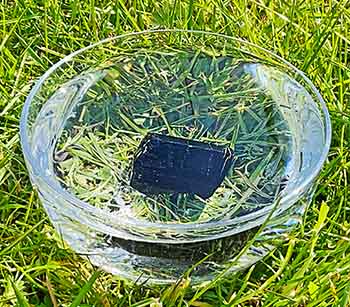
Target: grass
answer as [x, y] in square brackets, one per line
[100, 141]
[311, 269]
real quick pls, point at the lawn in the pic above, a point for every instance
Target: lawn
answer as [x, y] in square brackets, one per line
[310, 269]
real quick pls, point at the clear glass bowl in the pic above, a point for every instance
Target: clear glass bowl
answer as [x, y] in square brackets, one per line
[160, 151]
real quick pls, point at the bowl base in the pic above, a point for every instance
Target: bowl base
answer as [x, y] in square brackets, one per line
[103, 251]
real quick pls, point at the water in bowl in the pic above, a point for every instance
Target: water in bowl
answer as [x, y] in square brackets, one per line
[103, 115]
[219, 101]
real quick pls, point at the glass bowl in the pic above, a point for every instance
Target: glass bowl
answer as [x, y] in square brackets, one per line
[164, 151]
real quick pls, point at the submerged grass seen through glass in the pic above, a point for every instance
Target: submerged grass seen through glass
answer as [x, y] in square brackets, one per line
[210, 98]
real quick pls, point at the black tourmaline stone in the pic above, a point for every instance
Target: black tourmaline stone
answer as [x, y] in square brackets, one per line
[166, 164]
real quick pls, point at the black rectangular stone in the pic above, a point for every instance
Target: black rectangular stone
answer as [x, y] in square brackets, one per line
[167, 164]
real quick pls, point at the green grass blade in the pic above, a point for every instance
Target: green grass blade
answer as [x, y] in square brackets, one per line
[85, 289]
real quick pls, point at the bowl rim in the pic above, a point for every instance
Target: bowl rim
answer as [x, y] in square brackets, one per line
[286, 201]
